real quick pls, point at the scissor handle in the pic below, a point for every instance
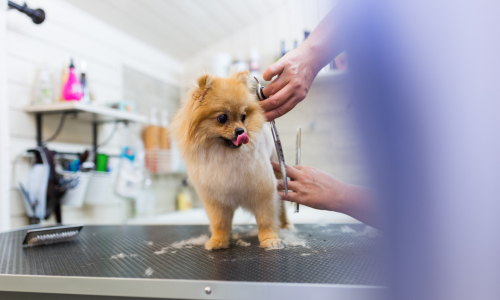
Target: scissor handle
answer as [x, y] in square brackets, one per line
[260, 94]
[258, 91]
[276, 137]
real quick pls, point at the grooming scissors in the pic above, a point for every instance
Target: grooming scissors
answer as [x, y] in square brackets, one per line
[297, 158]
[276, 138]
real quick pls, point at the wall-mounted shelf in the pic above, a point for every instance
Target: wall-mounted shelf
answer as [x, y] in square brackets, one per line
[330, 76]
[87, 112]
[95, 115]
[90, 112]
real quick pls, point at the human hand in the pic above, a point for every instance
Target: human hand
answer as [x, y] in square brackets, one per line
[296, 72]
[312, 187]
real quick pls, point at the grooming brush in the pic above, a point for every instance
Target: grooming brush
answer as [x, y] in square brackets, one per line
[51, 235]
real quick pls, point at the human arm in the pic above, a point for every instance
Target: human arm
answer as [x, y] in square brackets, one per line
[317, 189]
[298, 68]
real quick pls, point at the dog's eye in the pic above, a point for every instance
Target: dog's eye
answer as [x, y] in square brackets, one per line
[243, 117]
[222, 118]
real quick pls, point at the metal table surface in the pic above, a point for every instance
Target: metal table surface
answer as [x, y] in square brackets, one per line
[128, 261]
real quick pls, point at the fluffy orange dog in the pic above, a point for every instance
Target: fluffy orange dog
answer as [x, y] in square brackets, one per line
[227, 152]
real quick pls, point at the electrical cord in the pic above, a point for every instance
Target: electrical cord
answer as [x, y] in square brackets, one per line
[110, 137]
[59, 128]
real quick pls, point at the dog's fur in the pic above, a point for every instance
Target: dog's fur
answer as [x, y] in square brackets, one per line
[227, 176]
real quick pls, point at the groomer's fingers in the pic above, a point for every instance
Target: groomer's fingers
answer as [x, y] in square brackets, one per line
[292, 185]
[276, 85]
[283, 109]
[277, 99]
[290, 171]
[276, 167]
[292, 196]
[273, 70]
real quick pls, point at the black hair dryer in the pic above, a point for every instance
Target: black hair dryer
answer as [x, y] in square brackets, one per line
[37, 15]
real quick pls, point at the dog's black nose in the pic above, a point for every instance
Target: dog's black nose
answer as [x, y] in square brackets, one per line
[239, 131]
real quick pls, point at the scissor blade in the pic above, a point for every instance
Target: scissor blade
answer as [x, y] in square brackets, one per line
[279, 152]
[297, 162]
[283, 172]
[276, 138]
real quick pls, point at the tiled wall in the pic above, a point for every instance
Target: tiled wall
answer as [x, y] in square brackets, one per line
[110, 53]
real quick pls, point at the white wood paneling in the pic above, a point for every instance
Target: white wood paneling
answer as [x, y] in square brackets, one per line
[69, 32]
[179, 28]
[285, 21]
[4, 127]
[194, 14]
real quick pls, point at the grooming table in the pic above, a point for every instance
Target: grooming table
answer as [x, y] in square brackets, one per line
[120, 262]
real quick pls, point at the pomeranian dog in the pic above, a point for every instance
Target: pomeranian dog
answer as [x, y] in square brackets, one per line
[227, 151]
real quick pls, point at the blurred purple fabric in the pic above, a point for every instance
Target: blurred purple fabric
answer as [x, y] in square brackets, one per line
[425, 78]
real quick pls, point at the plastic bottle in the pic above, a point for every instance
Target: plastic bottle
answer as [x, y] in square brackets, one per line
[306, 34]
[145, 201]
[164, 134]
[239, 65]
[151, 137]
[184, 199]
[254, 62]
[72, 90]
[283, 48]
[64, 79]
[44, 93]
[151, 132]
[131, 174]
[85, 88]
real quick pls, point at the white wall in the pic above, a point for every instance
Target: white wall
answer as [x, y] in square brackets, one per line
[329, 141]
[69, 32]
[4, 128]
[287, 23]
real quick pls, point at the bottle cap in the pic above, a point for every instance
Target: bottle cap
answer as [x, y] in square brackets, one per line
[71, 65]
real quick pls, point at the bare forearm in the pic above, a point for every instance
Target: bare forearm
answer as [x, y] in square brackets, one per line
[324, 41]
[297, 69]
[314, 188]
[359, 203]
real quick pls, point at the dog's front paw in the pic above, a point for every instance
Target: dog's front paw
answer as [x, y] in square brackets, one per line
[271, 243]
[214, 244]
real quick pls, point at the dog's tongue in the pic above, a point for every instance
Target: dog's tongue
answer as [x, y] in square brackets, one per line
[242, 138]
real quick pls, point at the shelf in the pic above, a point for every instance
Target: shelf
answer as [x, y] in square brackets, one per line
[330, 76]
[90, 112]
[322, 77]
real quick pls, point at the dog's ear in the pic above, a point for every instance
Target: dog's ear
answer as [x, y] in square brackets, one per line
[243, 77]
[204, 82]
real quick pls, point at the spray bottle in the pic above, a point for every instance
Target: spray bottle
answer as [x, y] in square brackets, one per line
[72, 90]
